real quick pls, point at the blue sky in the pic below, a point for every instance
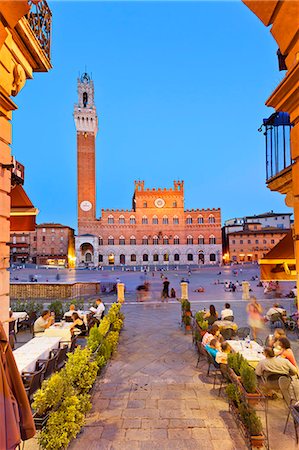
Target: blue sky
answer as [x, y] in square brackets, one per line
[180, 89]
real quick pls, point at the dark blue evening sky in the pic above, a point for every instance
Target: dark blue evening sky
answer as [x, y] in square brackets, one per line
[180, 93]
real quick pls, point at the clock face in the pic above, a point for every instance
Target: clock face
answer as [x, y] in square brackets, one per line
[159, 202]
[85, 205]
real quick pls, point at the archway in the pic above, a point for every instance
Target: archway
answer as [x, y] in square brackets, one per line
[201, 258]
[122, 259]
[86, 253]
[111, 259]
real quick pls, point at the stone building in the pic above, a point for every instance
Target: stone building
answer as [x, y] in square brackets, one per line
[157, 230]
[252, 242]
[52, 244]
[25, 28]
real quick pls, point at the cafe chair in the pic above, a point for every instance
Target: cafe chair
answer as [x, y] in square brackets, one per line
[243, 332]
[227, 333]
[202, 353]
[276, 321]
[73, 344]
[47, 365]
[295, 415]
[61, 356]
[28, 323]
[229, 318]
[259, 341]
[288, 394]
[68, 319]
[32, 382]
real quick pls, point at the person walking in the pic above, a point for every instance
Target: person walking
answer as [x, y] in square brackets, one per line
[255, 319]
[165, 290]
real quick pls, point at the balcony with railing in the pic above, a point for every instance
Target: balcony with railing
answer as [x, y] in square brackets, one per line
[40, 18]
[277, 129]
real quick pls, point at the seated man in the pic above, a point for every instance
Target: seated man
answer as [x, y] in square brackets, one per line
[70, 312]
[99, 310]
[43, 322]
[276, 313]
[272, 368]
[227, 312]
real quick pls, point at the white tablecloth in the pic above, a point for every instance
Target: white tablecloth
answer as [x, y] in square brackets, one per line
[252, 352]
[19, 316]
[61, 329]
[38, 348]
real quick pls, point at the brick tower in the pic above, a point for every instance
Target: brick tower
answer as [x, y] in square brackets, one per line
[86, 122]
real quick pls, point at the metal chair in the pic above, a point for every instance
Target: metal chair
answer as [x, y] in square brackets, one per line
[61, 356]
[259, 341]
[47, 365]
[229, 318]
[32, 382]
[288, 394]
[243, 332]
[295, 415]
[276, 321]
[227, 333]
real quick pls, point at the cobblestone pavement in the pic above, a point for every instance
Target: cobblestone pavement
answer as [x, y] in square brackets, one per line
[153, 396]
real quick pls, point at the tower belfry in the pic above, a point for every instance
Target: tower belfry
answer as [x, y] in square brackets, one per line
[86, 122]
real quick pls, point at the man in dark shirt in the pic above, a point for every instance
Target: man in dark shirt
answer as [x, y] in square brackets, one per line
[165, 291]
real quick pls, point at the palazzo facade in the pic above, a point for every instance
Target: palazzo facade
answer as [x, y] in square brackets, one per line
[156, 231]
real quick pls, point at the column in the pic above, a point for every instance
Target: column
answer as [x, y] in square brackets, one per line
[184, 290]
[121, 292]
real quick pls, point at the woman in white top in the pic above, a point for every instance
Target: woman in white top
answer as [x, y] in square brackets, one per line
[227, 312]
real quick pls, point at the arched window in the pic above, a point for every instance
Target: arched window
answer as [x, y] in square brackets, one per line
[110, 240]
[176, 240]
[87, 257]
[211, 218]
[155, 240]
[165, 240]
[175, 220]
[155, 257]
[100, 258]
[189, 240]
[132, 240]
[110, 219]
[145, 240]
[189, 257]
[145, 257]
[201, 240]
[144, 220]
[212, 257]
[212, 239]
[132, 220]
[85, 99]
[122, 240]
[155, 220]
[166, 257]
[176, 257]
[188, 220]
[121, 220]
[100, 240]
[133, 258]
[122, 259]
[199, 219]
[165, 220]
[174, 204]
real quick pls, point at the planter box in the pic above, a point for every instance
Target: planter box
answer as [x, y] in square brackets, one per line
[251, 398]
[252, 441]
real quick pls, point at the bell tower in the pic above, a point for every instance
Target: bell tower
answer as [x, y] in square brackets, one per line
[86, 122]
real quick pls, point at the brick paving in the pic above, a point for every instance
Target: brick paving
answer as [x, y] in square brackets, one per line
[152, 395]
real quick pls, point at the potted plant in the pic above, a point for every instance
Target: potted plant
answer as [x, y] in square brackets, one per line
[186, 307]
[252, 424]
[248, 384]
[187, 322]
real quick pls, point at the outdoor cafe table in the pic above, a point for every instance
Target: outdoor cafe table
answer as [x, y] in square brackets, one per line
[60, 329]
[252, 352]
[37, 348]
[19, 316]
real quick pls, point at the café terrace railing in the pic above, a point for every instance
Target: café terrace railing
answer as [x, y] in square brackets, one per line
[277, 130]
[40, 19]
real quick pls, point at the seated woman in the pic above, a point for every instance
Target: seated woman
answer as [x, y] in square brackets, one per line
[213, 349]
[272, 339]
[213, 333]
[286, 351]
[211, 316]
[225, 349]
[78, 325]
